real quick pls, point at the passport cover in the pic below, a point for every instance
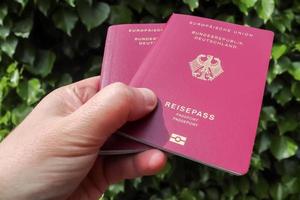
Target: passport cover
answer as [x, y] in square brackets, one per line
[119, 145]
[209, 77]
[126, 47]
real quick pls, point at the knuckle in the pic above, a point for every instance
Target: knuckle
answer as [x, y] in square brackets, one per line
[60, 90]
[118, 86]
[56, 93]
[122, 92]
[75, 93]
[122, 96]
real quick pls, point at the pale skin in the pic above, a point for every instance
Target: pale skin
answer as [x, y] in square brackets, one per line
[53, 153]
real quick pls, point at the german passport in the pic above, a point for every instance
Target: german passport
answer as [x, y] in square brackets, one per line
[209, 77]
[125, 49]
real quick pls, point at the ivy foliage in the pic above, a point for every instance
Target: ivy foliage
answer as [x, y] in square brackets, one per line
[45, 44]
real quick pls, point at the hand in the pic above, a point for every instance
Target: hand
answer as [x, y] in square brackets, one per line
[53, 153]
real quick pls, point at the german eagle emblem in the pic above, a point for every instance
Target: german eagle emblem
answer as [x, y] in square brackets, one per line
[206, 67]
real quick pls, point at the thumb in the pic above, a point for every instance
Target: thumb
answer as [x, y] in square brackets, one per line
[109, 109]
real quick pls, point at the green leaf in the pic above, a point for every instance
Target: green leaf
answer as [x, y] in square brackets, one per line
[165, 171]
[23, 28]
[70, 2]
[212, 193]
[297, 47]
[187, 194]
[30, 91]
[65, 79]
[253, 20]
[92, 15]
[4, 32]
[93, 40]
[281, 66]
[26, 53]
[296, 90]
[283, 147]
[19, 113]
[264, 142]
[193, 4]
[43, 64]
[278, 67]
[44, 6]
[275, 87]
[3, 134]
[268, 114]
[278, 50]
[288, 167]
[230, 190]
[9, 45]
[243, 184]
[89, 2]
[94, 63]
[137, 5]
[256, 162]
[65, 20]
[3, 88]
[116, 188]
[3, 12]
[261, 188]
[278, 191]
[284, 96]
[15, 78]
[265, 9]
[162, 11]
[292, 184]
[5, 120]
[226, 18]
[22, 2]
[244, 5]
[294, 70]
[120, 14]
[287, 123]
[14, 74]
[283, 20]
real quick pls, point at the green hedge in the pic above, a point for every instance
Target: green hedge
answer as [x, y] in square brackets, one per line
[48, 43]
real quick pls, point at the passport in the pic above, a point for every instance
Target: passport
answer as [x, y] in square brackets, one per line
[209, 77]
[126, 47]
[119, 145]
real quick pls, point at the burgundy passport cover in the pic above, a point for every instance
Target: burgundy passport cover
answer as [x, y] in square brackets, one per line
[209, 77]
[126, 47]
[119, 145]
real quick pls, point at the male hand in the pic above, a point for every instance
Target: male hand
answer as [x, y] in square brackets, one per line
[53, 153]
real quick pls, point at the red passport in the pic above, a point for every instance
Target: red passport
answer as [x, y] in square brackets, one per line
[209, 77]
[126, 47]
[119, 145]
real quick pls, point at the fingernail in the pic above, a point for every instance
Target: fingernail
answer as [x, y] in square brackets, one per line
[150, 98]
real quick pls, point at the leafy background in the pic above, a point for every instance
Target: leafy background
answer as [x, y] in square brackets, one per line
[45, 44]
